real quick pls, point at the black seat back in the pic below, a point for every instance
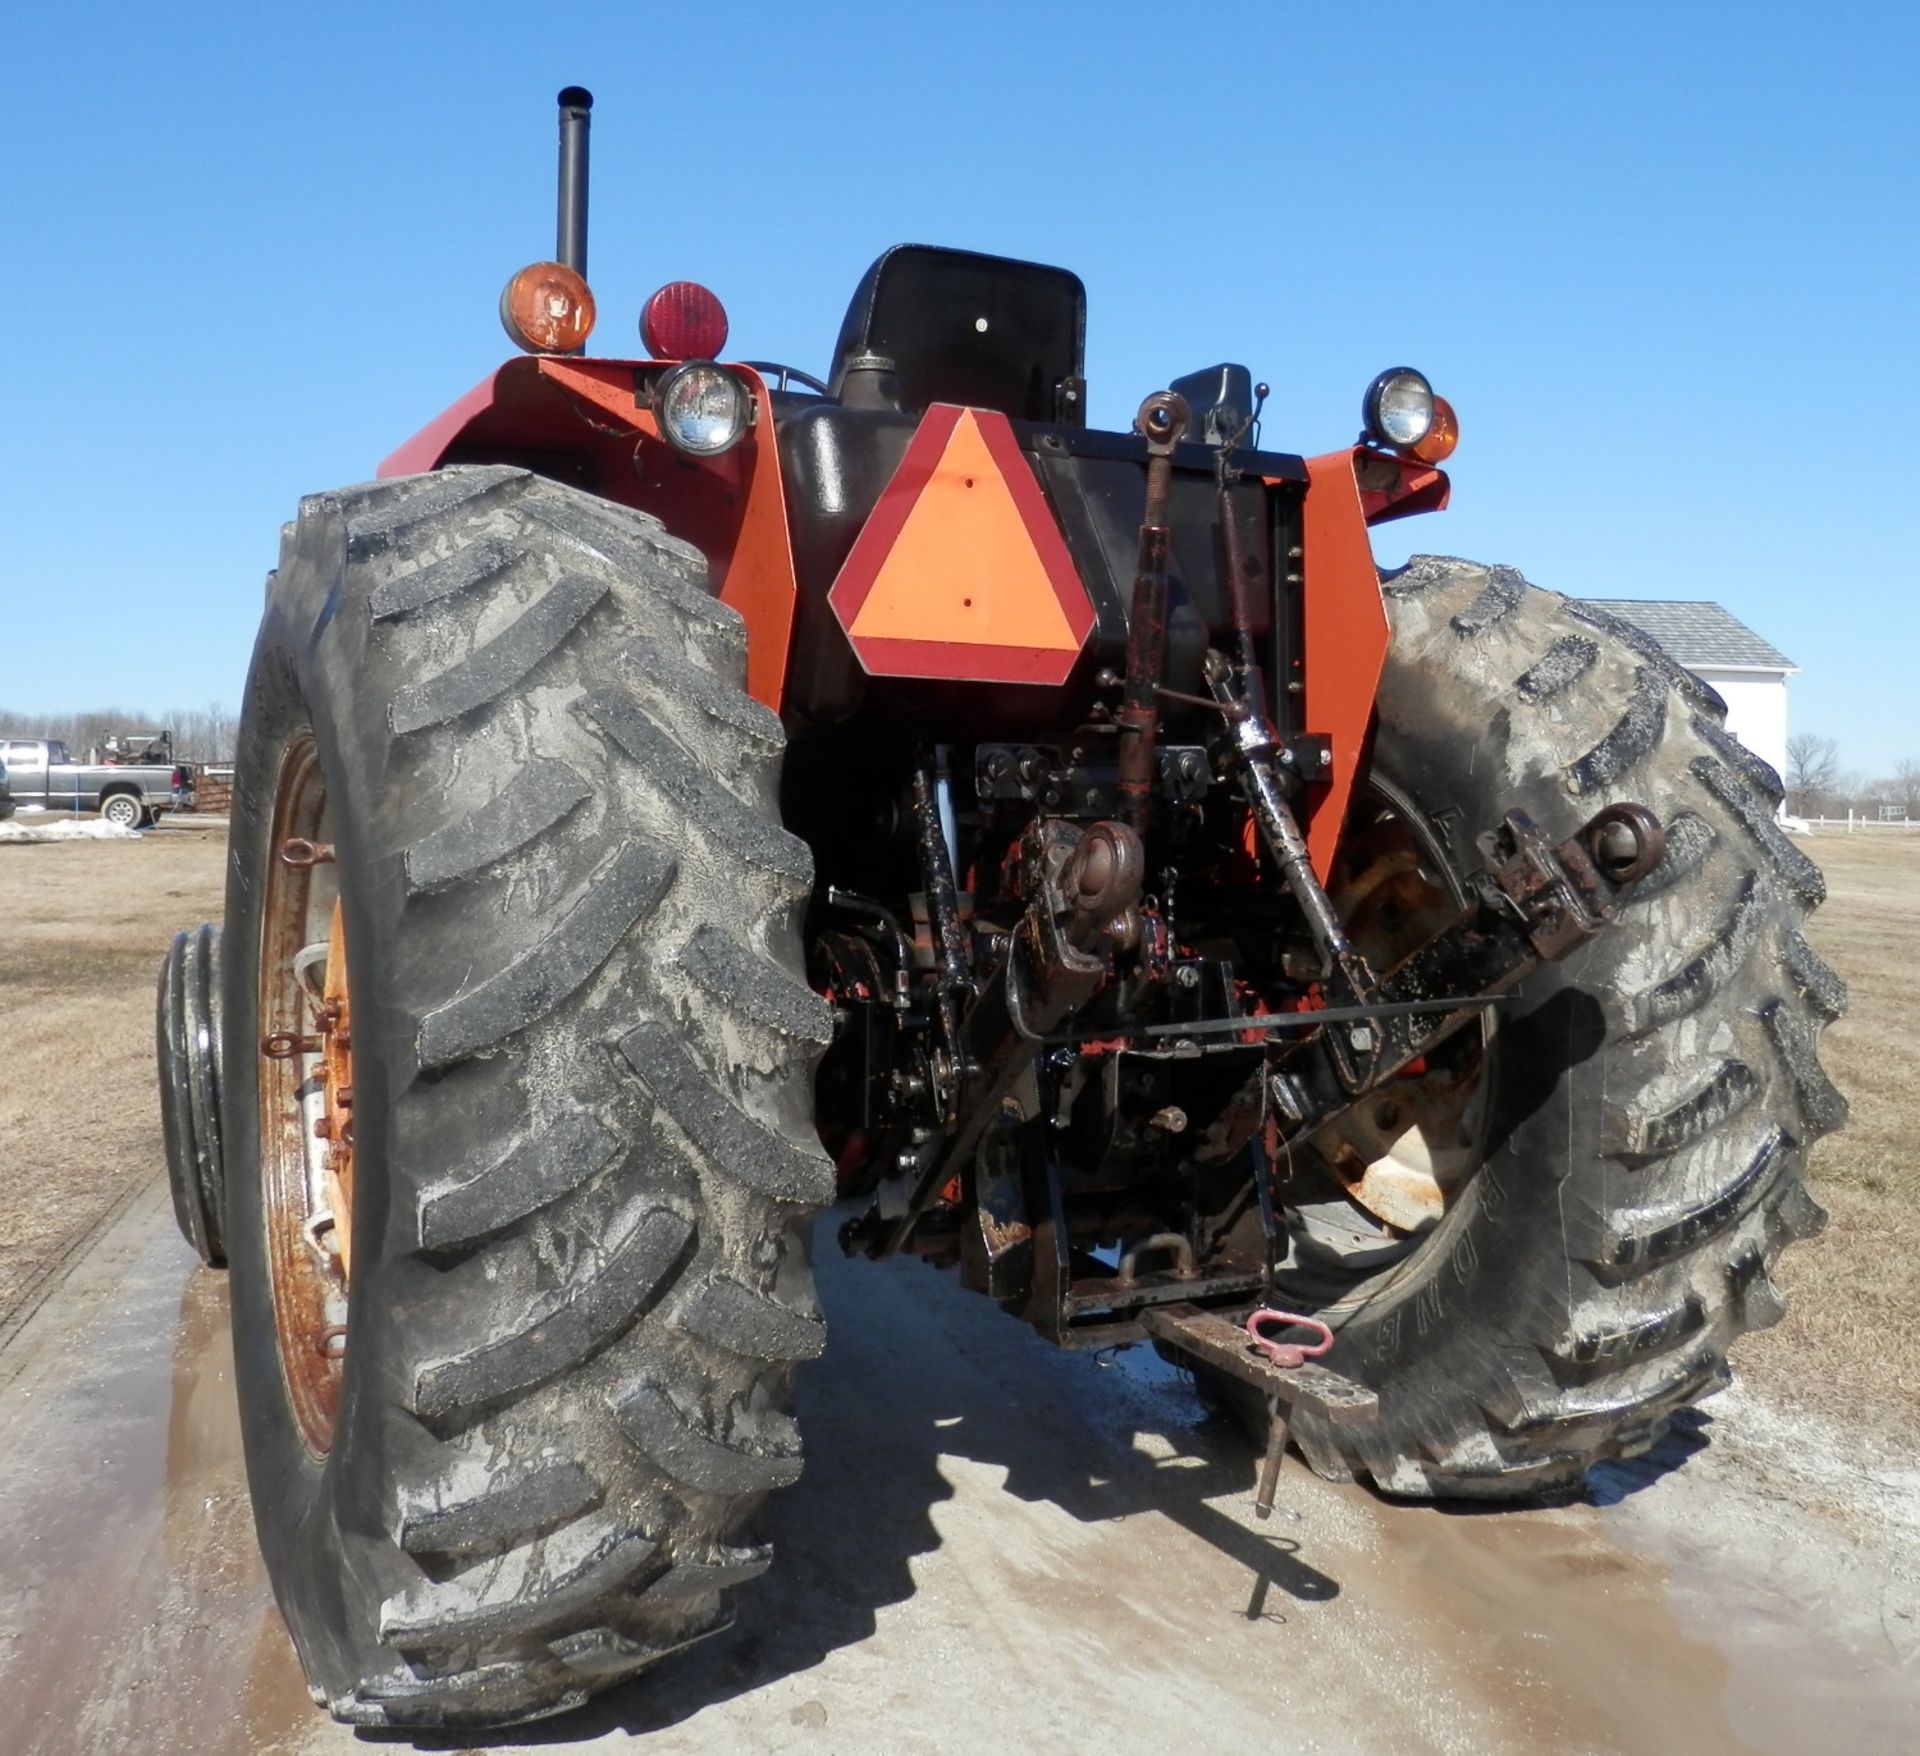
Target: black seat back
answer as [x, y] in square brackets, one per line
[981, 331]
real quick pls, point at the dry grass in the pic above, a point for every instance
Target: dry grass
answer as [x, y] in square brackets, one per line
[83, 926]
[1849, 1349]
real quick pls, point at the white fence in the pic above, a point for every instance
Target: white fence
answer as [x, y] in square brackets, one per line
[1856, 824]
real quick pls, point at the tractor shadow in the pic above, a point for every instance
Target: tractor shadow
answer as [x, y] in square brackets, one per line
[921, 1374]
[1622, 1477]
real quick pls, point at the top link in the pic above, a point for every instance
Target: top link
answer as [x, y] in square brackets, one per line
[1163, 417]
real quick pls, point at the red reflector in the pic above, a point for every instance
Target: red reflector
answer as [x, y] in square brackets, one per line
[683, 321]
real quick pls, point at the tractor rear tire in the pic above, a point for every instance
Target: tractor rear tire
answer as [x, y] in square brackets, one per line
[1655, 1095]
[583, 1153]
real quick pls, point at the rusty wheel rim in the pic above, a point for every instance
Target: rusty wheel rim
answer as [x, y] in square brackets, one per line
[1401, 1159]
[306, 1096]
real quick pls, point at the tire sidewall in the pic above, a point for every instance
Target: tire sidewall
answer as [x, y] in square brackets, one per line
[319, 1520]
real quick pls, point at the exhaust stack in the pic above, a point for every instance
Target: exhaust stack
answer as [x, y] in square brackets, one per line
[570, 246]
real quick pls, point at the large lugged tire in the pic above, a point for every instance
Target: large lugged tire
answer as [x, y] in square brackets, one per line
[582, 1139]
[1655, 1094]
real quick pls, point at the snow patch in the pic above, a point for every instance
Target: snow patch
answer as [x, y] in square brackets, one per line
[91, 829]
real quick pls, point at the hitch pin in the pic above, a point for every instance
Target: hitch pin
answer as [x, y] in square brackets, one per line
[1270, 1464]
[1286, 1355]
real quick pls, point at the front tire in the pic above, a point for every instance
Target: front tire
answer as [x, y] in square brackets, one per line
[582, 1145]
[1654, 1096]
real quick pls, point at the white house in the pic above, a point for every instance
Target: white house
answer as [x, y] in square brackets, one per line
[1723, 652]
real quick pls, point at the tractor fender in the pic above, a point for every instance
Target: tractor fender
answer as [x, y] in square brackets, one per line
[588, 423]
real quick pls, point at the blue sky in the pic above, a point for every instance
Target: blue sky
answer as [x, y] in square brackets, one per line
[1662, 259]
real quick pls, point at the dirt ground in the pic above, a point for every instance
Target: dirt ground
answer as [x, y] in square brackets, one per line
[83, 926]
[1012, 1548]
[1042, 1548]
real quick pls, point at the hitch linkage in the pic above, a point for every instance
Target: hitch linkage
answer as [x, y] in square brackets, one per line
[1533, 904]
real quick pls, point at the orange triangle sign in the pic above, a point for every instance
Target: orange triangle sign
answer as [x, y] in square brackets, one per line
[960, 572]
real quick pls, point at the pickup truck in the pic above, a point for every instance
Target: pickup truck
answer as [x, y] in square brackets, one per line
[41, 776]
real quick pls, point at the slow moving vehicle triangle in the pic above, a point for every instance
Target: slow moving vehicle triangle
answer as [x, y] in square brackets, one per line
[960, 572]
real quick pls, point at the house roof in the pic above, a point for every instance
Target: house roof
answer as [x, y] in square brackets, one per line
[1698, 633]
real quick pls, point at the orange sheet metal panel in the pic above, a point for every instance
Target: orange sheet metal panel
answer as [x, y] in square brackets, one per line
[1345, 636]
[743, 532]
[960, 571]
[731, 507]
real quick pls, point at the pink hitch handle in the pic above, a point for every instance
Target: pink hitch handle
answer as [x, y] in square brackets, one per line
[1288, 1353]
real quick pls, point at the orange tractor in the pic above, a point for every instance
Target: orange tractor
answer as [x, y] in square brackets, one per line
[680, 794]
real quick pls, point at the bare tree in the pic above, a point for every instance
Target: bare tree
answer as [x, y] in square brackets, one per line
[1813, 771]
[1903, 786]
[205, 734]
[1896, 793]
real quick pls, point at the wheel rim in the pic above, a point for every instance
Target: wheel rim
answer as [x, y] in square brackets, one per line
[122, 810]
[1373, 1186]
[306, 1096]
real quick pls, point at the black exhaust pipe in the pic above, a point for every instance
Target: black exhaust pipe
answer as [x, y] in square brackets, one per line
[570, 247]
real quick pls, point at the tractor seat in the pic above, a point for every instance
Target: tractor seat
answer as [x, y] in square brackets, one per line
[959, 327]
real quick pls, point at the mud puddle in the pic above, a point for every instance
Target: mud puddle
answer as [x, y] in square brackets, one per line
[993, 1546]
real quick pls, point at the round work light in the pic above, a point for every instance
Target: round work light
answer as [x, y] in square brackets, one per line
[1398, 408]
[703, 408]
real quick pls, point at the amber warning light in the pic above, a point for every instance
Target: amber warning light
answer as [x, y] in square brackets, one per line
[1441, 437]
[547, 309]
